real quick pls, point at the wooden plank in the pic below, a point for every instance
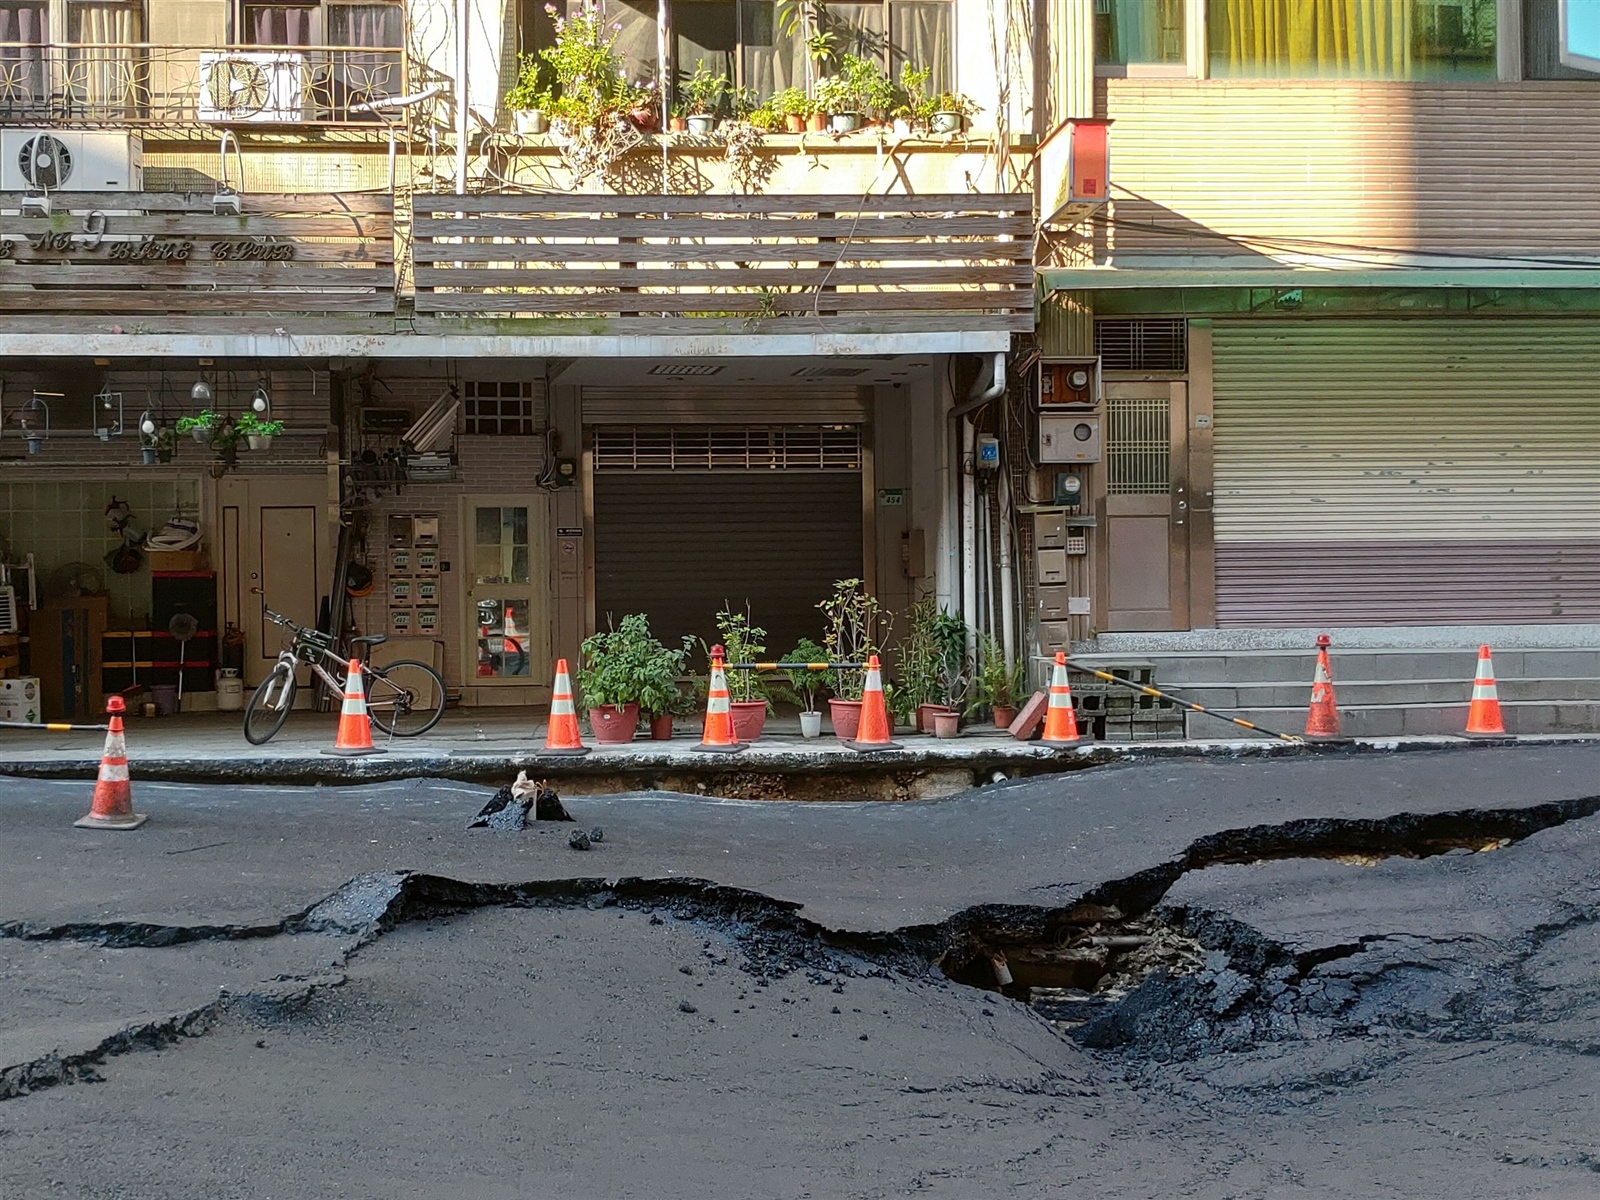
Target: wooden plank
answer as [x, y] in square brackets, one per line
[358, 254]
[946, 250]
[684, 280]
[729, 326]
[740, 302]
[196, 301]
[329, 324]
[733, 227]
[195, 273]
[309, 203]
[565, 202]
[197, 225]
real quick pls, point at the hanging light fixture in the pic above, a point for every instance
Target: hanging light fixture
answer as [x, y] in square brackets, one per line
[200, 393]
[108, 421]
[261, 402]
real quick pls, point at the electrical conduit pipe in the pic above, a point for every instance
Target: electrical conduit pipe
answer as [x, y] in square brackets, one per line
[969, 465]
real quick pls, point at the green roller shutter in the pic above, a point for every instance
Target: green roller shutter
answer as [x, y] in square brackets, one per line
[1407, 472]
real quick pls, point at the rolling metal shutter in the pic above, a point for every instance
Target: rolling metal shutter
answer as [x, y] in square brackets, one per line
[689, 519]
[1407, 472]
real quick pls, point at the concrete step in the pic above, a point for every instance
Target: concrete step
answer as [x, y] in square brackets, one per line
[1397, 720]
[1285, 666]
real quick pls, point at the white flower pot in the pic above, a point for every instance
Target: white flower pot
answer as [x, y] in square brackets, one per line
[702, 124]
[201, 434]
[846, 122]
[810, 725]
[902, 127]
[260, 441]
[947, 122]
[531, 121]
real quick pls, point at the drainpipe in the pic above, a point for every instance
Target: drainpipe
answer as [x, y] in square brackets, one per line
[463, 16]
[969, 533]
[1008, 619]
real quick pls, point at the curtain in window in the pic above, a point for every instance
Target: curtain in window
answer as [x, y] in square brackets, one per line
[355, 78]
[773, 60]
[1139, 31]
[1312, 38]
[636, 41]
[705, 31]
[107, 79]
[23, 84]
[278, 25]
[858, 29]
[364, 25]
[921, 32]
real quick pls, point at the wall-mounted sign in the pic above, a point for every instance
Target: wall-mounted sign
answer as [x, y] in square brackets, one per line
[144, 249]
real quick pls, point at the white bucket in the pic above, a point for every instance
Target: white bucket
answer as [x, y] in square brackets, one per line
[230, 690]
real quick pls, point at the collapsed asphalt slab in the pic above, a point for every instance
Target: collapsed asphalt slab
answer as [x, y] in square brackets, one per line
[1389, 990]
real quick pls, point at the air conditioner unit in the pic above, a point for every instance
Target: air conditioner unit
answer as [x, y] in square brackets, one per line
[252, 87]
[70, 160]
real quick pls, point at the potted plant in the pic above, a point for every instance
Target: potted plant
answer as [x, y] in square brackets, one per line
[997, 687]
[616, 667]
[951, 112]
[201, 427]
[807, 686]
[836, 98]
[661, 693]
[934, 668]
[257, 433]
[528, 101]
[703, 94]
[853, 621]
[915, 107]
[744, 642]
[793, 106]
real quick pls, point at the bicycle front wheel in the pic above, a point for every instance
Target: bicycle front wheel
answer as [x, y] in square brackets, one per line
[405, 698]
[269, 706]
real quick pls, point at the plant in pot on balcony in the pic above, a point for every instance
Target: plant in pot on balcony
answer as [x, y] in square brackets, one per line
[854, 624]
[807, 687]
[793, 106]
[997, 686]
[257, 433]
[616, 667]
[913, 110]
[743, 642]
[529, 100]
[704, 94]
[951, 112]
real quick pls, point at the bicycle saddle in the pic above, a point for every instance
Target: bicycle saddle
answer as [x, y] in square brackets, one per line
[371, 639]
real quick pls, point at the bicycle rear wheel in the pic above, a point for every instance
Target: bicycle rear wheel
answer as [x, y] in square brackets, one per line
[405, 698]
[269, 706]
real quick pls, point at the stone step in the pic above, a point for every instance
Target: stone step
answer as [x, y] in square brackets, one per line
[1381, 666]
[1367, 693]
[1395, 720]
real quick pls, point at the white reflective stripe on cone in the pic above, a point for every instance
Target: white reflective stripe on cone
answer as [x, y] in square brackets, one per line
[561, 706]
[114, 773]
[1484, 691]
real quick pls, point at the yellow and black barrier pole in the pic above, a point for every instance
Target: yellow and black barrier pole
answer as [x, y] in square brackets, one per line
[1182, 703]
[54, 728]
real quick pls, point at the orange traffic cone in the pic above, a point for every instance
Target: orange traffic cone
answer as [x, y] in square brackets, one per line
[1060, 721]
[112, 806]
[562, 736]
[355, 727]
[1323, 719]
[1483, 718]
[873, 731]
[718, 737]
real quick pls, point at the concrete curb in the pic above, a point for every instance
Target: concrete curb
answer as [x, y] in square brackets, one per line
[943, 766]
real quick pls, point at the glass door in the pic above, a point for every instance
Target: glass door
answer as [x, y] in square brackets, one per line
[508, 636]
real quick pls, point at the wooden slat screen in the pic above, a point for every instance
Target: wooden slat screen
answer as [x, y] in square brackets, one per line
[167, 263]
[756, 263]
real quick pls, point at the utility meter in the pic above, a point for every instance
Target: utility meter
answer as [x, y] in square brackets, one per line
[1069, 382]
[988, 458]
[1067, 438]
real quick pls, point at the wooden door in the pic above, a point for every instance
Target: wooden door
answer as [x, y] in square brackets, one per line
[1145, 527]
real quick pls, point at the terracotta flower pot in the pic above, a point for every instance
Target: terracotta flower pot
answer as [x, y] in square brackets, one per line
[846, 718]
[947, 725]
[818, 122]
[678, 124]
[612, 725]
[749, 719]
[1004, 714]
[927, 712]
[794, 122]
[661, 728]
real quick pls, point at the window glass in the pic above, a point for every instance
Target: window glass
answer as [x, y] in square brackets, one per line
[771, 59]
[705, 32]
[23, 82]
[1138, 31]
[364, 25]
[921, 33]
[1352, 39]
[1541, 43]
[859, 29]
[279, 25]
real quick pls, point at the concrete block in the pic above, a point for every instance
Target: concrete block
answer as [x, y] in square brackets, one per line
[1550, 664]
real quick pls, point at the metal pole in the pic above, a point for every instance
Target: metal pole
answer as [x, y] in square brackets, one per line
[1188, 704]
[53, 728]
[463, 16]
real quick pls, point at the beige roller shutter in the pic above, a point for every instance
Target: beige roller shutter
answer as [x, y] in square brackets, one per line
[1407, 472]
[688, 518]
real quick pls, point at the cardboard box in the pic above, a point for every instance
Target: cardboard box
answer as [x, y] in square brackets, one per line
[178, 560]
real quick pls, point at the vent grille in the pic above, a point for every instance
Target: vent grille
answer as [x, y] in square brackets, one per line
[829, 372]
[683, 370]
[1138, 445]
[727, 448]
[1147, 344]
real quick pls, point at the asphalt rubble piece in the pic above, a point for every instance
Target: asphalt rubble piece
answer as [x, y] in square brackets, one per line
[508, 809]
[1113, 970]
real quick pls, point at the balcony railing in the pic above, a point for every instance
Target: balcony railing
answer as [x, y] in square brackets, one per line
[747, 263]
[167, 263]
[184, 86]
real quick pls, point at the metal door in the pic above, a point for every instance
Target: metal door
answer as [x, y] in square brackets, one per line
[1144, 541]
[507, 638]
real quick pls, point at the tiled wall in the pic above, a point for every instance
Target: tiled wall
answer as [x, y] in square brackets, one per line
[63, 521]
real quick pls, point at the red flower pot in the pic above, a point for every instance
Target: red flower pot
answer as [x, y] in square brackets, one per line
[661, 728]
[1003, 716]
[794, 122]
[818, 123]
[678, 124]
[846, 718]
[612, 725]
[749, 719]
[927, 712]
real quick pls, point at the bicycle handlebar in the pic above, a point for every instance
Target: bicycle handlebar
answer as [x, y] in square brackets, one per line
[299, 631]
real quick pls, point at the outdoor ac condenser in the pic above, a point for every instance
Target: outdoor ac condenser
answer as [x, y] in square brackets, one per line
[70, 160]
[252, 87]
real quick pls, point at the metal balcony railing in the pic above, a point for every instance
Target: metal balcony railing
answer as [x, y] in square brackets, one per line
[147, 85]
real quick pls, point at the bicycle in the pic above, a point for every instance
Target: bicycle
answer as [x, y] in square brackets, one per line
[404, 699]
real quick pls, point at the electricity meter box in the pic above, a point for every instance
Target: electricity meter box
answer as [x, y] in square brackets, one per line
[1066, 438]
[1073, 383]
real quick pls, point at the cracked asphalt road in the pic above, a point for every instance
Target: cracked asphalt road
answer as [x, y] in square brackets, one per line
[209, 1007]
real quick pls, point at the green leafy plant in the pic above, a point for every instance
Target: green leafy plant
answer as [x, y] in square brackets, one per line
[914, 103]
[997, 685]
[949, 635]
[589, 80]
[250, 425]
[955, 102]
[531, 90]
[934, 667]
[706, 92]
[861, 86]
[792, 102]
[855, 626]
[807, 687]
[742, 642]
[208, 420]
[627, 665]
